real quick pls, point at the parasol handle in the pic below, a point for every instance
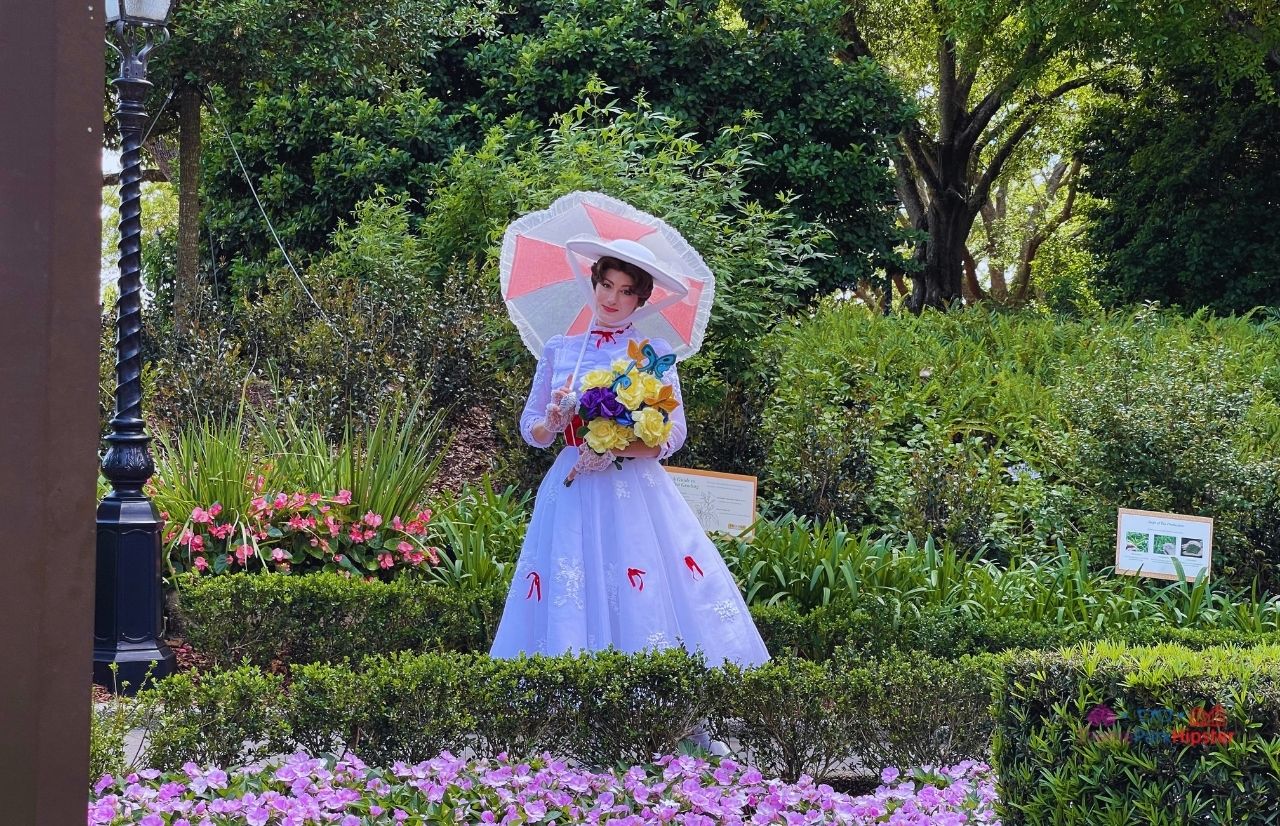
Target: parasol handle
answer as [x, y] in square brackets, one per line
[573, 379]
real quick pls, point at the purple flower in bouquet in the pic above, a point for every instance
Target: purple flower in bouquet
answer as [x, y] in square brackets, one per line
[600, 403]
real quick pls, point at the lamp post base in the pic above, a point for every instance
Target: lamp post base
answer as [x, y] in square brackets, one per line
[127, 620]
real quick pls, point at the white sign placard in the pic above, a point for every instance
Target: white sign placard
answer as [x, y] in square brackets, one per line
[1148, 542]
[723, 502]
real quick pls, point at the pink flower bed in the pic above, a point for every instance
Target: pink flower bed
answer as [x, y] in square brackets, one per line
[303, 532]
[302, 790]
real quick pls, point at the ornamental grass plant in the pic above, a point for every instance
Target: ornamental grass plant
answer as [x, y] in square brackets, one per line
[253, 493]
[814, 564]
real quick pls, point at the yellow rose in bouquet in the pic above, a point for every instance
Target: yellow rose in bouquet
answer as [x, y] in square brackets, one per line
[606, 434]
[597, 378]
[650, 427]
[643, 386]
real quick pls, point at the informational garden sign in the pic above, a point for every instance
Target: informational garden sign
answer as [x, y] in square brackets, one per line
[1147, 543]
[723, 502]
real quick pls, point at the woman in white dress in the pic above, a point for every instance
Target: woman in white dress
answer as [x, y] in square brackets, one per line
[616, 559]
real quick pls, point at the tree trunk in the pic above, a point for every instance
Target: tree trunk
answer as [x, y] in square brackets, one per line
[939, 284]
[184, 288]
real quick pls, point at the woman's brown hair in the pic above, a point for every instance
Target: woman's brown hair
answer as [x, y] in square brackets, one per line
[641, 281]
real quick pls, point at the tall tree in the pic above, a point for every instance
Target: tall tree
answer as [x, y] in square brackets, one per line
[1187, 183]
[986, 75]
[242, 49]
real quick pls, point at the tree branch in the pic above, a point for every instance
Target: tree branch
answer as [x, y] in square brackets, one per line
[924, 160]
[148, 175]
[1022, 280]
[1035, 104]
[857, 48]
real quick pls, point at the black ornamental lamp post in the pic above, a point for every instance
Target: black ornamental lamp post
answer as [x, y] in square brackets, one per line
[127, 619]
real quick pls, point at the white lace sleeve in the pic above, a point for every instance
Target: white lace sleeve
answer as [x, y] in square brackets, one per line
[678, 427]
[535, 408]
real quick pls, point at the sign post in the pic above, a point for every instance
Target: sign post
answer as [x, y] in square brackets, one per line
[1148, 543]
[723, 502]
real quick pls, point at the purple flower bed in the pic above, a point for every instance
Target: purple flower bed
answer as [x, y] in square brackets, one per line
[303, 790]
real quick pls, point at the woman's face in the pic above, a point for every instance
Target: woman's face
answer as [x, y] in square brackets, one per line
[616, 298]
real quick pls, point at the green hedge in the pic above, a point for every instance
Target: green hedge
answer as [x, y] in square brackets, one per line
[280, 619]
[789, 717]
[274, 620]
[1111, 735]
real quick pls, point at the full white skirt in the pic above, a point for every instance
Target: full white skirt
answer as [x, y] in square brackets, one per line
[617, 560]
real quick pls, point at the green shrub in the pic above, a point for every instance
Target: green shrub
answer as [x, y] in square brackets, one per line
[916, 710]
[1009, 433]
[1086, 736]
[394, 707]
[785, 631]
[1166, 419]
[227, 718]
[278, 619]
[636, 706]
[789, 715]
[527, 705]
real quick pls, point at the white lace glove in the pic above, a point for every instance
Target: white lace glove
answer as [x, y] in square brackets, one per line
[589, 462]
[560, 410]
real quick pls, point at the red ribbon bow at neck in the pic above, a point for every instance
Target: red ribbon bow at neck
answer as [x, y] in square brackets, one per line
[608, 335]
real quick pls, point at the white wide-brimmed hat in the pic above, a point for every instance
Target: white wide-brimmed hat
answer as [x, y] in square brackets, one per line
[633, 252]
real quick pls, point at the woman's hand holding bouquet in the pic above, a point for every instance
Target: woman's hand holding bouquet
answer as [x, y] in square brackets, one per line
[621, 405]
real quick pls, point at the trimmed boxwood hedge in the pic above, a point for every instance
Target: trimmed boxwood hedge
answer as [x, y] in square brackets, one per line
[274, 620]
[1105, 734]
[789, 716]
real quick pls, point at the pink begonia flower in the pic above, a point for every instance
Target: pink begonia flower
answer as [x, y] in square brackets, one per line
[386, 561]
[201, 564]
[369, 535]
[278, 555]
[343, 497]
[282, 501]
[197, 544]
[356, 534]
[338, 558]
[164, 515]
[334, 526]
[215, 509]
[372, 519]
[258, 503]
[243, 552]
[405, 548]
[314, 498]
[186, 537]
[396, 523]
[199, 516]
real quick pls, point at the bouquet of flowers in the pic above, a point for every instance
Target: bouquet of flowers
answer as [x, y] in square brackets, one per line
[627, 402]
